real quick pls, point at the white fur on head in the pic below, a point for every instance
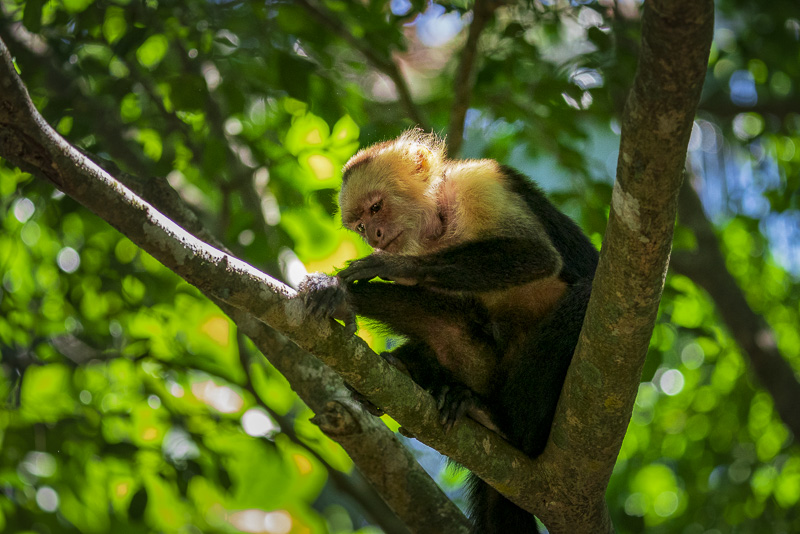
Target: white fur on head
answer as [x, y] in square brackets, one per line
[405, 172]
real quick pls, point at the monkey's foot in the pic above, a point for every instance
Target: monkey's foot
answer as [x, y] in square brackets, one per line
[395, 362]
[365, 402]
[453, 401]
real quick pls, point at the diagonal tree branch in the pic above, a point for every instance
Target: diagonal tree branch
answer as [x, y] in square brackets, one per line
[465, 76]
[706, 267]
[27, 141]
[384, 461]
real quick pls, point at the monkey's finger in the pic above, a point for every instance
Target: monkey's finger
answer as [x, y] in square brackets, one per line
[314, 305]
[363, 269]
[351, 275]
[350, 325]
[441, 397]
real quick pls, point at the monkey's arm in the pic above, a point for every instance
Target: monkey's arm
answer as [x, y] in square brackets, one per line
[483, 265]
[451, 352]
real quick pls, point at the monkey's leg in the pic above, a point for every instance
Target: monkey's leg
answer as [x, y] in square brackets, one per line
[526, 402]
[453, 398]
[451, 352]
[457, 328]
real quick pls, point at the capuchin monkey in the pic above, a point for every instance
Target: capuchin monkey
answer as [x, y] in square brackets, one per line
[483, 276]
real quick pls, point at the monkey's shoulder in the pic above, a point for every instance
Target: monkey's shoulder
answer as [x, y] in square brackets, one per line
[480, 198]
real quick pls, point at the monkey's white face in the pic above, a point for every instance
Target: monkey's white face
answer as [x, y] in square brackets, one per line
[385, 222]
[386, 194]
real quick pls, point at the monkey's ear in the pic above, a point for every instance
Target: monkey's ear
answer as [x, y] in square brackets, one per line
[422, 159]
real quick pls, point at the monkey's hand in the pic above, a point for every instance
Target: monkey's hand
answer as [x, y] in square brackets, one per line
[326, 297]
[396, 267]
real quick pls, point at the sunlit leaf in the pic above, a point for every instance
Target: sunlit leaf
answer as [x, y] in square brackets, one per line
[152, 51]
[114, 25]
[76, 6]
[46, 393]
[307, 131]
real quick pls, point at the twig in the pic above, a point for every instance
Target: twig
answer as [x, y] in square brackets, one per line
[465, 76]
[386, 66]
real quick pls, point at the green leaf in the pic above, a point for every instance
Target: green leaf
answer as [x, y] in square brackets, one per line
[152, 51]
[307, 131]
[45, 394]
[114, 25]
[77, 6]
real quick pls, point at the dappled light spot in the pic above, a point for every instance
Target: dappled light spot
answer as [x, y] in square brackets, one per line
[671, 382]
[39, 464]
[313, 137]
[303, 463]
[68, 260]
[747, 125]
[657, 494]
[176, 390]
[23, 209]
[666, 503]
[257, 423]
[150, 433]
[221, 398]
[321, 166]
[436, 27]
[260, 522]
[154, 402]
[122, 489]
[292, 268]
[692, 356]
[47, 499]
[179, 446]
[246, 237]
[218, 329]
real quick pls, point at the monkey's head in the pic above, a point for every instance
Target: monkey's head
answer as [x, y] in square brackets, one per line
[388, 193]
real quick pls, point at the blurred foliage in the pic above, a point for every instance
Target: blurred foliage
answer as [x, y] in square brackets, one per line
[131, 404]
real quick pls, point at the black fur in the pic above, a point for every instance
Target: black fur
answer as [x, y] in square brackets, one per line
[527, 375]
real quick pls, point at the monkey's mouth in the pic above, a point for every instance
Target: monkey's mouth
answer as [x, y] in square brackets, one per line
[387, 246]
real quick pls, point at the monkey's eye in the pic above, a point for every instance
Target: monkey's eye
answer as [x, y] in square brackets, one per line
[375, 208]
[360, 228]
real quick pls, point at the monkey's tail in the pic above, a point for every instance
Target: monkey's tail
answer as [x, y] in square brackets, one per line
[494, 514]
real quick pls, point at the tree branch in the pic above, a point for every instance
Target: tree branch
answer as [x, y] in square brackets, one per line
[27, 141]
[706, 267]
[353, 486]
[603, 380]
[465, 77]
